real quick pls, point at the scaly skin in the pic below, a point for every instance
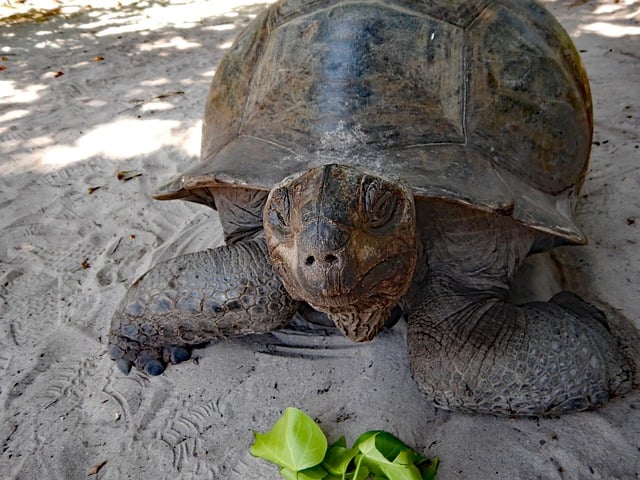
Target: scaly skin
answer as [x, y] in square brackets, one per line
[472, 351]
[196, 298]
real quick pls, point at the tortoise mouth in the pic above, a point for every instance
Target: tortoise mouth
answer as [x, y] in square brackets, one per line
[341, 303]
[380, 287]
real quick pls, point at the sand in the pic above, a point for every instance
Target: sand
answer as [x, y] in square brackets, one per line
[100, 105]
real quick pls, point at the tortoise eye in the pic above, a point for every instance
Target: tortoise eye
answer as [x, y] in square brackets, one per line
[279, 209]
[380, 204]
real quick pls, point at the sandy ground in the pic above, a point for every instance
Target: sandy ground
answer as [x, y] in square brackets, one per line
[100, 105]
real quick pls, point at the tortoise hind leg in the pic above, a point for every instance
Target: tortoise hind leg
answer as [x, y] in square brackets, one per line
[194, 299]
[471, 351]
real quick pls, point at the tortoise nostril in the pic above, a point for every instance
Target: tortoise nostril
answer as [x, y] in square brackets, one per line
[330, 258]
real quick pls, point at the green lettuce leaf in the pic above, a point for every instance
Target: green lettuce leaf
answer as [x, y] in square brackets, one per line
[295, 442]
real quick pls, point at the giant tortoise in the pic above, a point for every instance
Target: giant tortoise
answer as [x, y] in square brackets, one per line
[369, 159]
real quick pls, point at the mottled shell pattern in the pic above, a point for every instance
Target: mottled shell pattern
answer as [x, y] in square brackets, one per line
[482, 103]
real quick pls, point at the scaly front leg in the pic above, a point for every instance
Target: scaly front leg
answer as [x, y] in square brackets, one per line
[472, 351]
[196, 298]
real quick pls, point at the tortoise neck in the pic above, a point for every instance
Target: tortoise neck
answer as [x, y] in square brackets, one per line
[472, 244]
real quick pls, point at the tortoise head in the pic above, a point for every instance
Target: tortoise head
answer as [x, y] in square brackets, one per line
[345, 242]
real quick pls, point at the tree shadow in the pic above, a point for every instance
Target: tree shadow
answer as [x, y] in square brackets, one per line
[113, 85]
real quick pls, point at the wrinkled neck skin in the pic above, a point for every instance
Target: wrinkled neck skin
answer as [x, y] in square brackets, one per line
[345, 242]
[479, 249]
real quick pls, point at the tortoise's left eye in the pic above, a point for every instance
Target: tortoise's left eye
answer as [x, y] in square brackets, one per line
[380, 204]
[279, 210]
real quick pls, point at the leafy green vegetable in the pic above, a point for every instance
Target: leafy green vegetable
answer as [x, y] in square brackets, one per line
[314, 473]
[400, 467]
[429, 468]
[338, 458]
[295, 442]
[299, 447]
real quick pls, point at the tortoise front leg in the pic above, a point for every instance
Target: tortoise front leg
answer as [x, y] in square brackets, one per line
[196, 298]
[472, 351]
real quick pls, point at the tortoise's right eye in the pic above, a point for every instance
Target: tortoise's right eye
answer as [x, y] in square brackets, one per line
[279, 209]
[380, 204]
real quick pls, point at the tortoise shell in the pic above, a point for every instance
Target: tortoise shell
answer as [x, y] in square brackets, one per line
[481, 103]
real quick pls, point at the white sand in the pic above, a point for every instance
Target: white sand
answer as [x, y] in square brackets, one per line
[67, 257]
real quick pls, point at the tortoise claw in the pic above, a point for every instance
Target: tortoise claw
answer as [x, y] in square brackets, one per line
[154, 367]
[176, 354]
[128, 353]
[124, 365]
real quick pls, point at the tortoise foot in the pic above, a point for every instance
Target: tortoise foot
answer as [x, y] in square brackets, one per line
[483, 355]
[127, 353]
[194, 299]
